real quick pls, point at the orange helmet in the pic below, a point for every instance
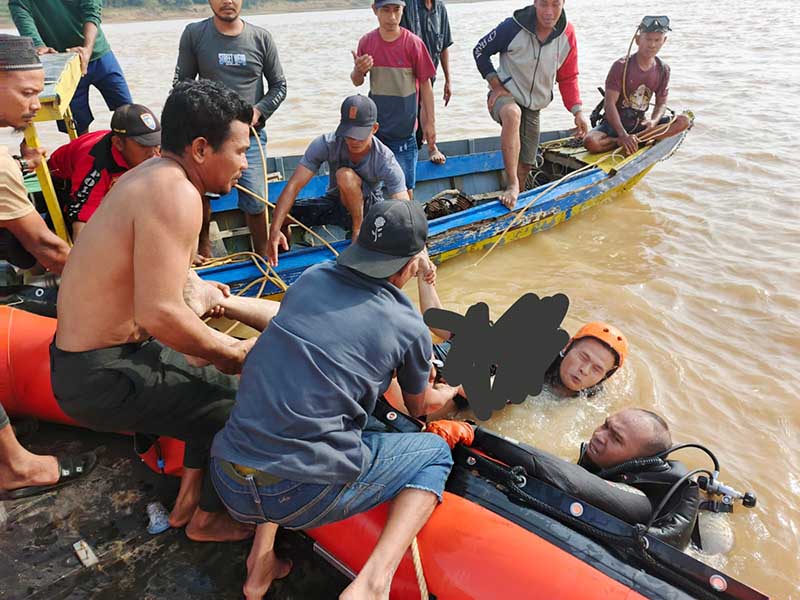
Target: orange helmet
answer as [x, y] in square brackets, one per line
[608, 334]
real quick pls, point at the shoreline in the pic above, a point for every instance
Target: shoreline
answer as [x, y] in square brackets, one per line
[113, 15]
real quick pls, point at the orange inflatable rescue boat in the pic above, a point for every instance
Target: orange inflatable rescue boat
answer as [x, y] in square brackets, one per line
[500, 532]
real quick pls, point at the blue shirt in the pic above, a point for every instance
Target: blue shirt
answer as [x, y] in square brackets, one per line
[311, 381]
[378, 170]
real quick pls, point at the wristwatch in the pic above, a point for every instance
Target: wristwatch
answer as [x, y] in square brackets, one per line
[24, 165]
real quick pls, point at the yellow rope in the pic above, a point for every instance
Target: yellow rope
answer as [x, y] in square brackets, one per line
[655, 133]
[423, 586]
[290, 217]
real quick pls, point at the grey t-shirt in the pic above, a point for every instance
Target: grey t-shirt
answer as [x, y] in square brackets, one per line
[239, 61]
[379, 169]
[311, 381]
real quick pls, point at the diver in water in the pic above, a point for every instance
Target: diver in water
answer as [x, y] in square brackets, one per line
[624, 471]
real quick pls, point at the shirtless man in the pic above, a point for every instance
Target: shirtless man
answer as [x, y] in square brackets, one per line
[118, 360]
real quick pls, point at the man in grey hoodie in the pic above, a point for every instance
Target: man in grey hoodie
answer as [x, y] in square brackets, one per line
[537, 47]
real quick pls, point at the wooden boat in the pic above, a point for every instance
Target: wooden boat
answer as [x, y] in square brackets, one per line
[568, 182]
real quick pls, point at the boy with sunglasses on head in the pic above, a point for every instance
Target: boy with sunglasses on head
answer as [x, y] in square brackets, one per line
[631, 83]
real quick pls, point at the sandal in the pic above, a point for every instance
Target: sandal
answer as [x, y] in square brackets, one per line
[71, 468]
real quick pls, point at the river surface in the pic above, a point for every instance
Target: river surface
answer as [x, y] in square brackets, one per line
[699, 264]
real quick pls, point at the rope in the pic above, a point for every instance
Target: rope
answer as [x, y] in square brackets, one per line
[264, 167]
[423, 586]
[658, 130]
[290, 217]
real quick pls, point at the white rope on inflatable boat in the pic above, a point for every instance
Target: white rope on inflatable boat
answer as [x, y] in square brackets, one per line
[423, 586]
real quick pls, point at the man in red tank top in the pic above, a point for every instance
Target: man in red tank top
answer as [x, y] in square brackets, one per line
[631, 84]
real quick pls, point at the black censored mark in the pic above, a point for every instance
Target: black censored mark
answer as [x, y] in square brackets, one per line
[522, 345]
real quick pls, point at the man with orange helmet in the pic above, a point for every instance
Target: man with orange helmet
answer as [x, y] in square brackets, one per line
[593, 354]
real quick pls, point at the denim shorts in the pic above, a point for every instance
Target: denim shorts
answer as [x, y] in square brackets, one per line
[329, 210]
[605, 127]
[399, 460]
[253, 176]
[406, 153]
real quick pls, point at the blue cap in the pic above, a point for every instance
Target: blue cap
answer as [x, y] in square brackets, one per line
[359, 114]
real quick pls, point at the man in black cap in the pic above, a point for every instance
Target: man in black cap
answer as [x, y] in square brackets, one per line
[630, 85]
[362, 169]
[90, 165]
[296, 450]
[24, 238]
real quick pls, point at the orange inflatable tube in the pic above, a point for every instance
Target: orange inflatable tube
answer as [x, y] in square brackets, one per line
[467, 551]
[25, 389]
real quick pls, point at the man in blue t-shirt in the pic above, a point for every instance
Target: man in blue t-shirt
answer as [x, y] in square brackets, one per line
[362, 171]
[295, 451]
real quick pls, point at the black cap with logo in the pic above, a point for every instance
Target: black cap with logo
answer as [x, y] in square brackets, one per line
[138, 123]
[359, 114]
[393, 231]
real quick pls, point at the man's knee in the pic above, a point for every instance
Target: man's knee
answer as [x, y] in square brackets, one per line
[511, 115]
[347, 178]
[593, 141]
[682, 123]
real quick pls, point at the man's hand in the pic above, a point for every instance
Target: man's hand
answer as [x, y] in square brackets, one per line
[46, 50]
[582, 123]
[256, 117]
[275, 240]
[218, 311]
[427, 270]
[496, 93]
[362, 63]
[85, 54]
[447, 92]
[646, 124]
[629, 143]
[34, 156]
[452, 432]
[232, 363]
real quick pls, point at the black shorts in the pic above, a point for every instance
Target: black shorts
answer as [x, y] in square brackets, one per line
[146, 388]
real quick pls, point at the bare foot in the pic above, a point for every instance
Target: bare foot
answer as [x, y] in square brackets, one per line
[28, 470]
[262, 572]
[365, 588]
[188, 497]
[438, 158]
[217, 527]
[201, 296]
[509, 196]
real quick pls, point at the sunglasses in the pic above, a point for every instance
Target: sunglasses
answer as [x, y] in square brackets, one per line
[655, 23]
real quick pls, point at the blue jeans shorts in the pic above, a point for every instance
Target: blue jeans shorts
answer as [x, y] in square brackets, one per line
[253, 176]
[406, 153]
[105, 74]
[329, 210]
[399, 460]
[605, 127]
